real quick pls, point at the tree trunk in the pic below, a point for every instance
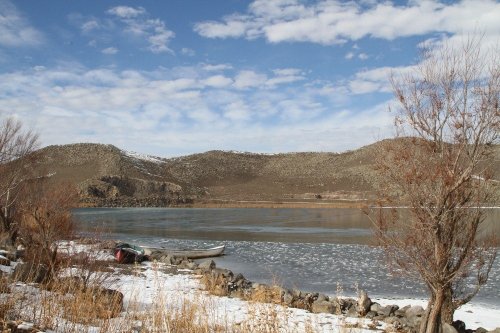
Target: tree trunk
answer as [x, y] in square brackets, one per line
[448, 308]
[423, 322]
[431, 322]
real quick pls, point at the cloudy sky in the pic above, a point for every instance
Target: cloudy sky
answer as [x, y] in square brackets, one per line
[183, 76]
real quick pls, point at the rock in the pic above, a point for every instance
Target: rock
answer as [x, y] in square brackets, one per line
[481, 330]
[177, 260]
[237, 278]
[207, 265]
[414, 315]
[371, 314]
[322, 306]
[447, 328]
[401, 312]
[364, 303]
[188, 264]
[288, 298]
[341, 305]
[388, 310]
[415, 311]
[496, 330]
[459, 326]
[375, 307]
[352, 312]
[28, 272]
[222, 273]
[4, 261]
[322, 297]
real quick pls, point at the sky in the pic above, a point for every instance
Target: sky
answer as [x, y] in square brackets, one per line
[171, 78]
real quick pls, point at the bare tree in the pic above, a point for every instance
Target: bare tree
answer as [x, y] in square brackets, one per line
[46, 219]
[16, 158]
[438, 167]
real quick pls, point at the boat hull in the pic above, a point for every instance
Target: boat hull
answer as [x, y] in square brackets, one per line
[189, 253]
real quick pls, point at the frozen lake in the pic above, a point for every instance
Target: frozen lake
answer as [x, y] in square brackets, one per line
[310, 249]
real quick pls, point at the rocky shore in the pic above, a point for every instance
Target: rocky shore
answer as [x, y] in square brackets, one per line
[226, 285]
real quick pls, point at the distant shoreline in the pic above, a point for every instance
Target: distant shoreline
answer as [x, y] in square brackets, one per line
[221, 203]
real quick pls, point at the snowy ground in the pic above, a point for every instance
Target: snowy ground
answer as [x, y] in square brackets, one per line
[150, 285]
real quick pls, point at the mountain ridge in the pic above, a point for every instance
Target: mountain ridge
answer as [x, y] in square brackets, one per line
[106, 175]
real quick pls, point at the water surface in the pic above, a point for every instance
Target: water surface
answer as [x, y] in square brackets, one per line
[311, 249]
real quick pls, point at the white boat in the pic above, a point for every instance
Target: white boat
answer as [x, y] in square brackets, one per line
[187, 253]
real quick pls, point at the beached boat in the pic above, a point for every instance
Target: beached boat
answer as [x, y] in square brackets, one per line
[187, 253]
[127, 253]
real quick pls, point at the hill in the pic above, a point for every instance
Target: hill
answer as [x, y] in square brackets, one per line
[108, 176]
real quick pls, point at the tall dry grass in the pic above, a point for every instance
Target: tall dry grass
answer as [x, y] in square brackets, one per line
[76, 301]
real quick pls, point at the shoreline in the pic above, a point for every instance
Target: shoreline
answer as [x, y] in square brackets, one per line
[222, 203]
[156, 285]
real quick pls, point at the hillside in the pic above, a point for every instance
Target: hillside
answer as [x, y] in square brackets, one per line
[108, 176]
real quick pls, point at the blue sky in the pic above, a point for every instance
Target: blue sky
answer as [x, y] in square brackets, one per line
[175, 77]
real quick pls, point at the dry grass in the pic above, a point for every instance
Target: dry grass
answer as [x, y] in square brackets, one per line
[78, 303]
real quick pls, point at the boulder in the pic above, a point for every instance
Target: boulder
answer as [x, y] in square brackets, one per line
[459, 326]
[207, 265]
[481, 330]
[237, 278]
[29, 272]
[401, 312]
[371, 314]
[415, 311]
[322, 306]
[388, 310]
[352, 312]
[375, 307]
[364, 303]
[447, 328]
[222, 273]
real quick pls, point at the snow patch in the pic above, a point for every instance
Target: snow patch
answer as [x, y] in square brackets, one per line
[143, 157]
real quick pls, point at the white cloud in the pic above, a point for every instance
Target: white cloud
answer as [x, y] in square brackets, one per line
[287, 72]
[349, 55]
[249, 79]
[376, 80]
[90, 26]
[15, 30]
[217, 81]
[217, 68]
[235, 27]
[160, 113]
[110, 50]
[187, 51]
[127, 12]
[237, 111]
[137, 24]
[158, 42]
[334, 22]
[282, 79]
[363, 56]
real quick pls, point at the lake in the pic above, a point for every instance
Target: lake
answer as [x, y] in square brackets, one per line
[320, 250]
